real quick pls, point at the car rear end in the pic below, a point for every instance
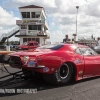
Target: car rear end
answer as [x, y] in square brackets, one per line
[39, 63]
[39, 60]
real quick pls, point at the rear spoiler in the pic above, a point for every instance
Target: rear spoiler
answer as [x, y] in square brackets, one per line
[4, 58]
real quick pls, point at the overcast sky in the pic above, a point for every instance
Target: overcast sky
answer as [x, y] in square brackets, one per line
[61, 17]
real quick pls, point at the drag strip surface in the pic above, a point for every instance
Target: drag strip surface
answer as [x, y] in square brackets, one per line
[88, 89]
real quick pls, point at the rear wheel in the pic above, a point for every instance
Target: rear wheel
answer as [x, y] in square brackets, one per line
[61, 76]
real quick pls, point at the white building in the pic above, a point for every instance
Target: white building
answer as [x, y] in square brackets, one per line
[33, 25]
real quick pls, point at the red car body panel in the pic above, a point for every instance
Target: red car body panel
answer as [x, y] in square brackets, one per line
[51, 60]
[92, 65]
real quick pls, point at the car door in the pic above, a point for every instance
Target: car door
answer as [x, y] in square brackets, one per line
[91, 62]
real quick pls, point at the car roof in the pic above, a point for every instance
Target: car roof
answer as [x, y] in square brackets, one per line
[76, 45]
[72, 47]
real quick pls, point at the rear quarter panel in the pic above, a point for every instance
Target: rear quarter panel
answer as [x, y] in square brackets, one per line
[56, 59]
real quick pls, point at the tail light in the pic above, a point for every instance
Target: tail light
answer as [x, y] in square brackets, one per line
[29, 61]
[24, 59]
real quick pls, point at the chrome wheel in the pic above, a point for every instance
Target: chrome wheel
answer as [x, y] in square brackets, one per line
[64, 71]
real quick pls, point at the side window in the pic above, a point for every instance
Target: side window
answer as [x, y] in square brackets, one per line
[88, 52]
[93, 52]
[84, 51]
[78, 51]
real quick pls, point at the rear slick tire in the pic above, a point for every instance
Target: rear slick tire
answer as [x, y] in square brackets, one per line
[61, 76]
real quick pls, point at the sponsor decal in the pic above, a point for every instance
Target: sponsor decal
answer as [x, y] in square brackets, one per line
[80, 72]
[25, 62]
[31, 64]
[25, 59]
[77, 61]
[46, 69]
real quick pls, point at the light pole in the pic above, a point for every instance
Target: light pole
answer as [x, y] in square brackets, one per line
[76, 18]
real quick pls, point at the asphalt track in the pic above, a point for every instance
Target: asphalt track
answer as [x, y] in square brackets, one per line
[88, 89]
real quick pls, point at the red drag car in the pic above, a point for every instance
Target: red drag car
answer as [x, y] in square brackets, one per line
[58, 63]
[28, 45]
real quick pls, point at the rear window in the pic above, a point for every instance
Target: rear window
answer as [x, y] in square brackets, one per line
[51, 46]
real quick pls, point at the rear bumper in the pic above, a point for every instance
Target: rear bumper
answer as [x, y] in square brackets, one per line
[15, 62]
